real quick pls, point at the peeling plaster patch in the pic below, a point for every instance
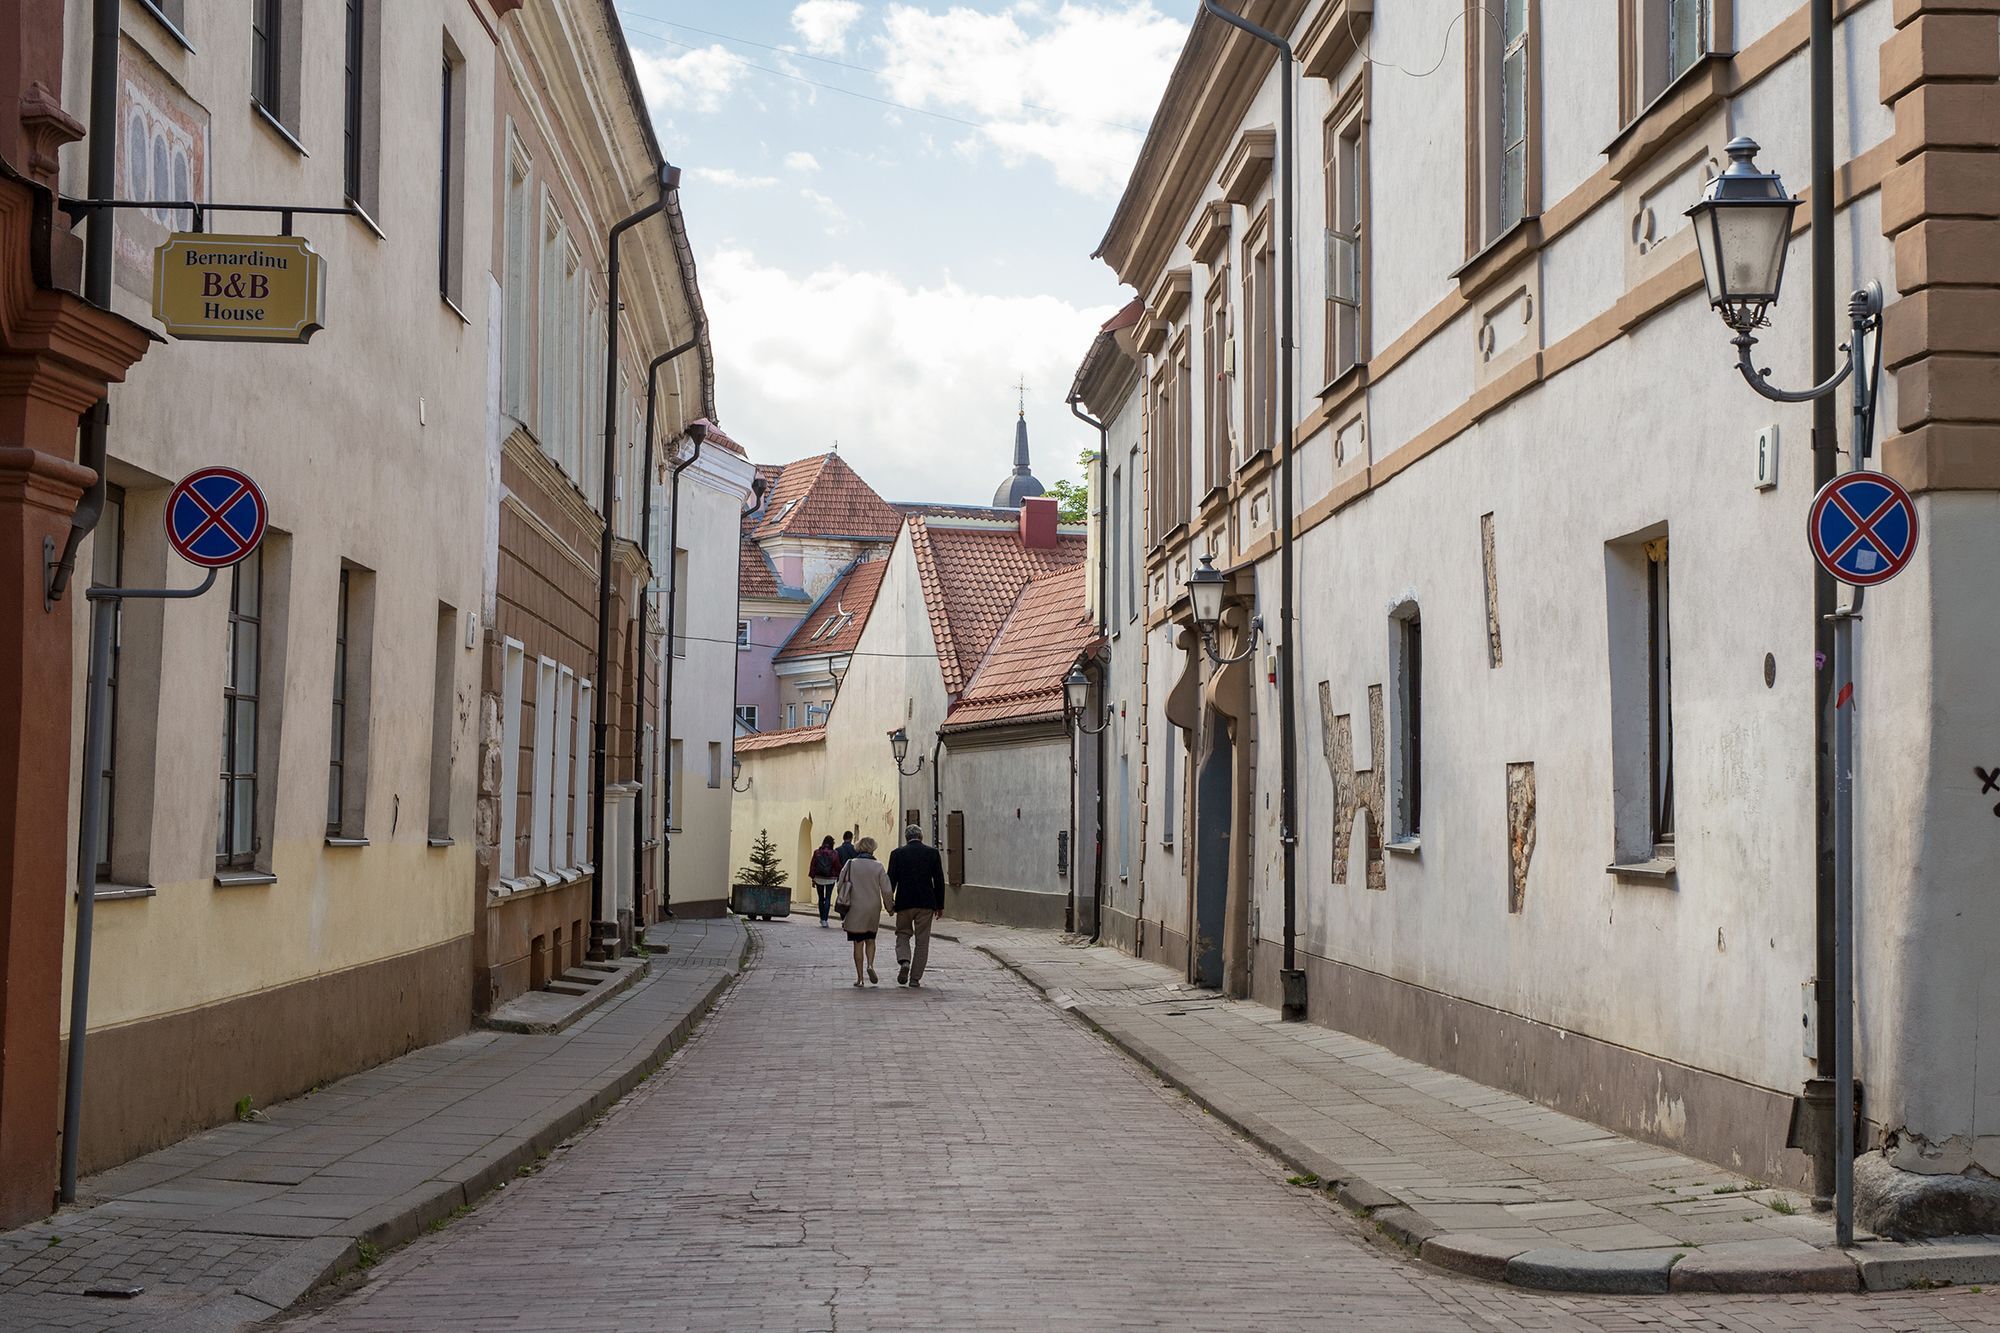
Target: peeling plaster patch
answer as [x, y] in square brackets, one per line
[1490, 566]
[1913, 1152]
[1668, 1118]
[1354, 792]
[1520, 831]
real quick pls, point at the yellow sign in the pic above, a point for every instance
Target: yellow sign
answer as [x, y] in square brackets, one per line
[238, 288]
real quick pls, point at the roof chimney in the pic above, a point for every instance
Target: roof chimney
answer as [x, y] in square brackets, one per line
[1038, 523]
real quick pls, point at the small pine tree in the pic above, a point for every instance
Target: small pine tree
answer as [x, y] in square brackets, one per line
[764, 869]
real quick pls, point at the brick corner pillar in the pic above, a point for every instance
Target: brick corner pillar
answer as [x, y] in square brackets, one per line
[1940, 72]
[57, 354]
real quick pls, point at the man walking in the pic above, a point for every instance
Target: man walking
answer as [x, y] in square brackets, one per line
[916, 873]
[846, 849]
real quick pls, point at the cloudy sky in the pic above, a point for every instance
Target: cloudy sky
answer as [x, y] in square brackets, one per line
[893, 208]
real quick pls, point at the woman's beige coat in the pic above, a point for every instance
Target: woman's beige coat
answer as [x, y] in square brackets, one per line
[864, 892]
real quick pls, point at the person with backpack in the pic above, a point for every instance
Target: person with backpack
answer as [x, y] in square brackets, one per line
[823, 871]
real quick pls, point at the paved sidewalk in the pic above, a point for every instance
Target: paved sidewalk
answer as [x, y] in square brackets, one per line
[1477, 1180]
[231, 1225]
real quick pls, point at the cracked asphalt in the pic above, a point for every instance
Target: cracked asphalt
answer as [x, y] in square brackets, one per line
[960, 1157]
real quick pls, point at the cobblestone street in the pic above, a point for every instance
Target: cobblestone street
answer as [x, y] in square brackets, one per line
[961, 1157]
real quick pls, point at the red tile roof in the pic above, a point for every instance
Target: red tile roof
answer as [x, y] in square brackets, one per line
[754, 575]
[778, 740]
[972, 574]
[721, 441]
[1021, 678]
[824, 497]
[835, 625]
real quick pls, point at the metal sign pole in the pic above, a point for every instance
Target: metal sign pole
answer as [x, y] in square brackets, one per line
[1846, 700]
[96, 741]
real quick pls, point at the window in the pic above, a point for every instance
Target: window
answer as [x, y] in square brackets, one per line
[1344, 240]
[562, 852]
[1124, 815]
[451, 175]
[1170, 762]
[236, 820]
[584, 766]
[513, 658]
[1215, 364]
[267, 35]
[550, 325]
[107, 570]
[1506, 88]
[443, 716]
[336, 756]
[742, 627]
[1407, 665]
[715, 763]
[1183, 408]
[673, 780]
[361, 104]
[1131, 537]
[1115, 512]
[747, 715]
[1659, 695]
[1260, 407]
[1639, 610]
[516, 263]
[347, 754]
[1172, 466]
[544, 770]
[1663, 40]
[791, 716]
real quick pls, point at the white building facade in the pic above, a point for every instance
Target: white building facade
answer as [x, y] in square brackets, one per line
[1553, 629]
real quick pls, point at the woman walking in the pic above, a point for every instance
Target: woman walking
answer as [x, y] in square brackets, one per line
[863, 897]
[823, 871]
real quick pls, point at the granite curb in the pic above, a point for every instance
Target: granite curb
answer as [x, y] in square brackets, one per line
[1873, 1265]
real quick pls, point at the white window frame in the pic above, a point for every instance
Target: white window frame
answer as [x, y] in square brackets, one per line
[581, 768]
[545, 749]
[562, 850]
[513, 660]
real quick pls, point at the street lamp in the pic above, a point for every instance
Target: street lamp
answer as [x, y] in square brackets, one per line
[1742, 229]
[899, 745]
[1076, 697]
[736, 773]
[1206, 587]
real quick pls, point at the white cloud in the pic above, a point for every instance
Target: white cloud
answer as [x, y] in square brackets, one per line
[915, 382]
[730, 179]
[801, 162]
[700, 79]
[1068, 87]
[834, 214]
[823, 24]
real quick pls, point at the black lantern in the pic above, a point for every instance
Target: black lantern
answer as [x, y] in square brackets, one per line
[1076, 691]
[1742, 228]
[1205, 588]
[899, 745]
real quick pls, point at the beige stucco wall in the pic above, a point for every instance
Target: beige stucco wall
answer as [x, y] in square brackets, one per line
[368, 444]
[802, 793]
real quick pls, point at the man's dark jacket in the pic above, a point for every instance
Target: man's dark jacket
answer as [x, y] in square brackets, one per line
[916, 873]
[845, 852]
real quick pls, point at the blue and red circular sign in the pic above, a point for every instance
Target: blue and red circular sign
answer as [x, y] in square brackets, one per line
[215, 517]
[1863, 528]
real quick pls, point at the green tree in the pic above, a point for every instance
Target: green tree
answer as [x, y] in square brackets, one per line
[1073, 497]
[764, 869]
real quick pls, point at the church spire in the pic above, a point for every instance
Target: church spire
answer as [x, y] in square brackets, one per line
[1021, 484]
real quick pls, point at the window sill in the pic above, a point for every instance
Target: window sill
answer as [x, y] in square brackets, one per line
[366, 219]
[1662, 120]
[159, 16]
[117, 893]
[1500, 256]
[439, 842]
[335, 840]
[277, 127]
[1354, 377]
[1255, 458]
[1404, 846]
[243, 879]
[1655, 870]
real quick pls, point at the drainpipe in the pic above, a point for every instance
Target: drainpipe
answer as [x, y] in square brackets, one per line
[1103, 634]
[1818, 1097]
[937, 790]
[697, 433]
[1288, 723]
[93, 446]
[603, 932]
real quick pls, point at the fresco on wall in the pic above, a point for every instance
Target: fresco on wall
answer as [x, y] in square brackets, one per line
[163, 145]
